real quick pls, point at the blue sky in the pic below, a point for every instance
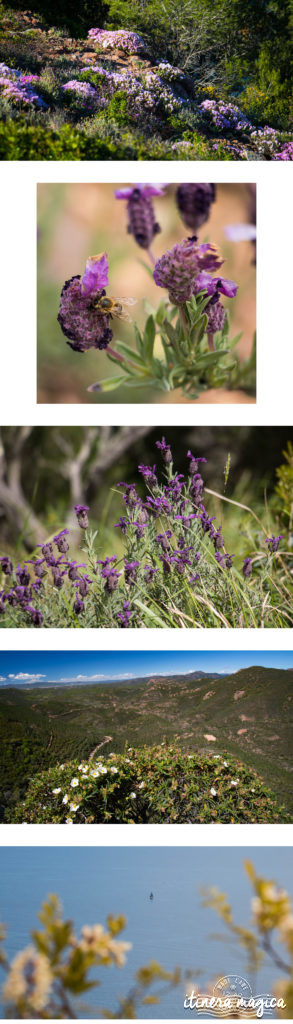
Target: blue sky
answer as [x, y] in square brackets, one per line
[21, 666]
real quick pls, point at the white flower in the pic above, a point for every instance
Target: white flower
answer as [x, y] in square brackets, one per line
[127, 761]
[213, 791]
[234, 782]
[217, 757]
[30, 978]
[226, 764]
[133, 796]
[252, 789]
[65, 799]
[61, 766]
[85, 768]
[74, 782]
[190, 756]
[80, 767]
[103, 770]
[73, 807]
[94, 773]
[114, 770]
[141, 785]
[56, 791]
[69, 821]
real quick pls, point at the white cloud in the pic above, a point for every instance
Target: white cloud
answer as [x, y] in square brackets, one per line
[97, 678]
[26, 675]
[2, 679]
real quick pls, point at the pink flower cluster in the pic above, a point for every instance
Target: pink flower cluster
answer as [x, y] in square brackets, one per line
[19, 88]
[129, 42]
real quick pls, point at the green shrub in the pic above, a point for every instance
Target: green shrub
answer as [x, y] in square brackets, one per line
[20, 141]
[149, 785]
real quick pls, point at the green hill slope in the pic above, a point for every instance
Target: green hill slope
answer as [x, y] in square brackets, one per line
[248, 715]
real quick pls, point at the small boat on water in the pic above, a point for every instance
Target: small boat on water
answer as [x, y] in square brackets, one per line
[151, 895]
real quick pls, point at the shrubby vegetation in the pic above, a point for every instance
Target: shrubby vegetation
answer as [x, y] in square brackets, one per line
[152, 785]
[235, 56]
[46, 979]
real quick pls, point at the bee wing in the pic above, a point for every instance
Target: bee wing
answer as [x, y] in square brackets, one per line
[125, 301]
[122, 316]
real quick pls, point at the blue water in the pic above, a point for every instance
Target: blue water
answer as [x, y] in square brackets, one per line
[173, 928]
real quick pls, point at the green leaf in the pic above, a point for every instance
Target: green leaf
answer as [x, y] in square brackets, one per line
[149, 338]
[209, 359]
[109, 384]
[149, 614]
[138, 339]
[131, 354]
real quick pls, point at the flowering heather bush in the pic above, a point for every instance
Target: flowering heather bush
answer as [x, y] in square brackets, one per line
[177, 569]
[19, 89]
[145, 92]
[225, 116]
[129, 42]
[152, 785]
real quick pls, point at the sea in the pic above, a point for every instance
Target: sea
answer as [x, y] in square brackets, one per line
[173, 927]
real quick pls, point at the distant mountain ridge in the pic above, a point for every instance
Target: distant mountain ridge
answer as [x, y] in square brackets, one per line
[138, 680]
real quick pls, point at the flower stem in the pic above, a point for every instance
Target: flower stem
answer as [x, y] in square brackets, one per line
[211, 343]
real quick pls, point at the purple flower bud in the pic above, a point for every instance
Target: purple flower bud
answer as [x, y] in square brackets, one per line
[273, 543]
[81, 515]
[12, 598]
[73, 570]
[23, 575]
[174, 488]
[196, 488]
[206, 521]
[194, 202]
[216, 317]
[123, 524]
[166, 450]
[149, 573]
[149, 474]
[35, 615]
[38, 567]
[78, 605]
[6, 565]
[61, 542]
[47, 550]
[247, 568]
[229, 563]
[84, 585]
[220, 559]
[130, 572]
[125, 615]
[130, 496]
[163, 539]
[142, 222]
[167, 564]
[194, 462]
[78, 316]
[218, 539]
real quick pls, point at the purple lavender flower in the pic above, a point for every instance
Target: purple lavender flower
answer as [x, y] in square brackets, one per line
[212, 285]
[220, 559]
[23, 575]
[174, 488]
[130, 572]
[84, 585]
[73, 570]
[229, 562]
[149, 573]
[166, 450]
[142, 222]
[47, 550]
[166, 563]
[35, 615]
[109, 573]
[163, 539]
[78, 605]
[273, 543]
[218, 539]
[123, 524]
[78, 317]
[6, 565]
[81, 515]
[125, 615]
[121, 39]
[194, 203]
[149, 474]
[58, 577]
[216, 317]
[196, 488]
[61, 542]
[38, 567]
[130, 496]
[179, 267]
[206, 520]
[194, 462]
[247, 568]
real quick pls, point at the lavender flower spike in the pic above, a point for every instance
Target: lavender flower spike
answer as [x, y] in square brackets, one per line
[179, 267]
[78, 316]
[194, 203]
[142, 222]
[213, 284]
